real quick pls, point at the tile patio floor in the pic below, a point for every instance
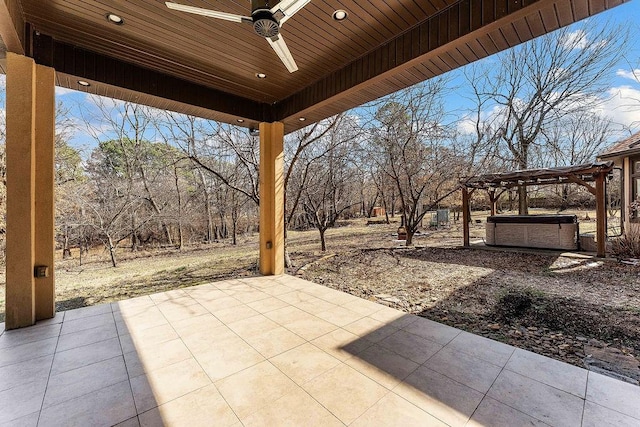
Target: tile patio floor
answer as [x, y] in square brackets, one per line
[273, 351]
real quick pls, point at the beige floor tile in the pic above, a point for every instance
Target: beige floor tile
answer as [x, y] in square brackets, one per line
[296, 297]
[275, 289]
[80, 313]
[168, 295]
[383, 366]
[86, 355]
[285, 315]
[464, 368]
[304, 363]
[133, 307]
[442, 334]
[309, 326]
[254, 388]
[316, 306]
[341, 344]
[483, 348]
[147, 337]
[202, 323]
[614, 394]
[78, 382]
[411, 346]
[223, 357]
[58, 317]
[395, 318]
[599, 416]
[274, 341]
[538, 400]
[233, 314]
[252, 326]
[18, 337]
[392, 410]
[87, 336]
[205, 293]
[201, 408]
[370, 329]
[87, 323]
[339, 316]
[221, 303]
[363, 307]
[24, 352]
[495, 414]
[168, 383]
[150, 319]
[445, 399]
[106, 407]
[552, 372]
[249, 295]
[147, 359]
[25, 372]
[267, 304]
[201, 342]
[21, 400]
[296, 408]
[175, 312]
[345, 392]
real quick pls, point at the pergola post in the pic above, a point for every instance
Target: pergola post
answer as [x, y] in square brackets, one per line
[492, 201]
[30, 132]
[465, 216]
[601, 216]
[271, 199]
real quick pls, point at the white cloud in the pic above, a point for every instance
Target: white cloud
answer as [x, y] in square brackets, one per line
[622, 106]
[3, 81]
[629, 74]
[575, 40]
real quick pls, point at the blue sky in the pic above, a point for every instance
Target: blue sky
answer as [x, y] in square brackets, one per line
[622, 102]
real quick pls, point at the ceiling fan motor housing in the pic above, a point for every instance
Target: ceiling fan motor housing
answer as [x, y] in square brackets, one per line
[264, 24]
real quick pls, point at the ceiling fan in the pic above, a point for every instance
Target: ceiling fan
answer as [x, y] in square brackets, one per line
[266, 22]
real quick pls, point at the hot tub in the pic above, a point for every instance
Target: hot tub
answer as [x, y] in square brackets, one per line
[533, 231]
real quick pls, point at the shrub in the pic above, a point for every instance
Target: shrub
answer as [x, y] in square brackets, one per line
[627, 245]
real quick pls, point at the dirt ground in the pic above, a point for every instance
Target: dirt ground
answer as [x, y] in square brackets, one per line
[579, 310]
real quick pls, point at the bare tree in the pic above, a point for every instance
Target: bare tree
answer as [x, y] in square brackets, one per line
[540, 82]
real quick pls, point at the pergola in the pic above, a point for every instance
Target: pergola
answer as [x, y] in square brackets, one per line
[585, 175]
[149, 54]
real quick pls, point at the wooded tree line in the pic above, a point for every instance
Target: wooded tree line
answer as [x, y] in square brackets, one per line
[165, 179]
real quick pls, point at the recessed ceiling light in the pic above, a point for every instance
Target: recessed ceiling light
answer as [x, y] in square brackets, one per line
[261, 75]
[84, 83]
[115, 19]
[302, 119]
[240, 120]
[340, 15]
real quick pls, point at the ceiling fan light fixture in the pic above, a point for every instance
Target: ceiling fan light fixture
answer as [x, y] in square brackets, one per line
[340, 15]
[84, 83]
[261, 75]
[115, 19]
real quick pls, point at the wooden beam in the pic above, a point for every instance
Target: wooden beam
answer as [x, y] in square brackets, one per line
[271, 199]
[601, 216]
[465, 217]
[95, 67]
[582, 182]
[12, 26]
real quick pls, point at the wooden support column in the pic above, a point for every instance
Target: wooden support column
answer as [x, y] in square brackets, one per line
[601, 216]
[30, 130]
[465, 216]
[492, 200]
[271, 199]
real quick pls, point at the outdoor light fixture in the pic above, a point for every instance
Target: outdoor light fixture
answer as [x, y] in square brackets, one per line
[339, 15]
[84, 83]
[261, 75]
[115, 19]
[302, 119]
[254, 132]
[240, 120]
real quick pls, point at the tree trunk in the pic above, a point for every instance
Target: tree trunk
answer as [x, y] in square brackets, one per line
[66, 251]
[323, 244]
[112, 251]
[410, 233]
[523, 205]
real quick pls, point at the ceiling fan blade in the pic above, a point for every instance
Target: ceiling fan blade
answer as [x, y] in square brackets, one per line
[281, 49]
[209, 13]
[288, 8]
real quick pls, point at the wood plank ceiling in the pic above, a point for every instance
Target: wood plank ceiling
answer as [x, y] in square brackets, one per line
[207, 67]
